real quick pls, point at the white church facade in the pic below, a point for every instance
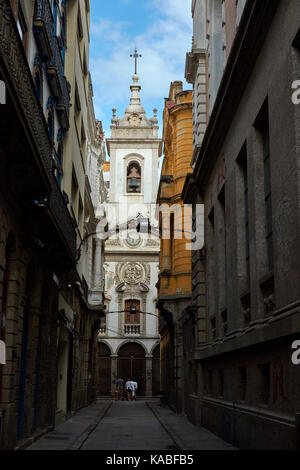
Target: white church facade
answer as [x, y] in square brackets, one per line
[129, 343]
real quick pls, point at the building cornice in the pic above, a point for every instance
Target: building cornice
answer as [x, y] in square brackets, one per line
[126, 256]
[173, 297]
[191, 63]
[180, 107]
[285, 321]
[130, 142]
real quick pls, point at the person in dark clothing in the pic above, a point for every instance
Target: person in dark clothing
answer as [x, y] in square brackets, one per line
[120, 388]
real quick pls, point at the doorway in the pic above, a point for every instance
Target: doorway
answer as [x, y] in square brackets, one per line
[132, 364]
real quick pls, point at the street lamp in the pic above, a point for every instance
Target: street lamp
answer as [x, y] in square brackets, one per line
[133, 310]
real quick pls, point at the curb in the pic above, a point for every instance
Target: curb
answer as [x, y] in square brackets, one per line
[31, 440]
[78, 443]
[178, 441]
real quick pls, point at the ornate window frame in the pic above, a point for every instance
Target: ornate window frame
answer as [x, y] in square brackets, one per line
[137, 315]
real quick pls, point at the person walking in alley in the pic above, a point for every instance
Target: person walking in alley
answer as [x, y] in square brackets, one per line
[128, 387]
[134, 387]
[120, 388]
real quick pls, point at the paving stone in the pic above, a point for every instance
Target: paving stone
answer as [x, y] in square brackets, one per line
[129, 426]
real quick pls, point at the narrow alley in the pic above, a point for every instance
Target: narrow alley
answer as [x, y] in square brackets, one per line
[149, 228]
[141, 425]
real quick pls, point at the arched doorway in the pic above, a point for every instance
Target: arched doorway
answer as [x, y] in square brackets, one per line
[104, 369]
[132, 364]
[156, 371]
[10, 251]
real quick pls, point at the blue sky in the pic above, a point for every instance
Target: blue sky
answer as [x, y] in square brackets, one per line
[162, 32]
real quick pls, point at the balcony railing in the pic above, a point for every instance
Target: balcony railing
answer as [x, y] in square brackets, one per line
[55, 70]
[59, 210]
[63, 105]
[132, 330]
[59, 85]
[43, 27]
[17, 73]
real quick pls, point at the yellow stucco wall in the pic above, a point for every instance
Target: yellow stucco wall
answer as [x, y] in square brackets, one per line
[175, 260]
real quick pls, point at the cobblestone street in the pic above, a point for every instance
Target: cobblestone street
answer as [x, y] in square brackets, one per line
[129, 426]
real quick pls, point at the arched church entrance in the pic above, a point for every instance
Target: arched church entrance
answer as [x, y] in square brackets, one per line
[132, 364]
[156, 371]
[104, 361]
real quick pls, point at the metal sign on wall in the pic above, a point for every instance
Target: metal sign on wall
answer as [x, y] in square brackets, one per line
[2, 353]
[2, 92]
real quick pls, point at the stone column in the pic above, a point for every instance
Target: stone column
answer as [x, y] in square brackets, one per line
[114, 371]
[149, 358]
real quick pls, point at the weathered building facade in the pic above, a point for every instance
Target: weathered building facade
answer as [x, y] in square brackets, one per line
[48, 324]
[174, 286]
[246, 173]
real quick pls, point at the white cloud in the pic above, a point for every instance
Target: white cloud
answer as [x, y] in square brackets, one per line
[109, 31]
[163, 45]
[178, 10]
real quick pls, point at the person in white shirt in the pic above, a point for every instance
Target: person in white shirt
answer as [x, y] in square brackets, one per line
[128, 388]
[134, 387]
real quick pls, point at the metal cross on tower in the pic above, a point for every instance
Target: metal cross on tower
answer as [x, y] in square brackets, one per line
[135, 56]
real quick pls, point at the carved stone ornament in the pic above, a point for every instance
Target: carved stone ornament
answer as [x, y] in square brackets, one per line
[152, 242]
[133, 242]
[113, 242]
[134, 120]
[143, 287]
[133, 273]
[121, 287]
